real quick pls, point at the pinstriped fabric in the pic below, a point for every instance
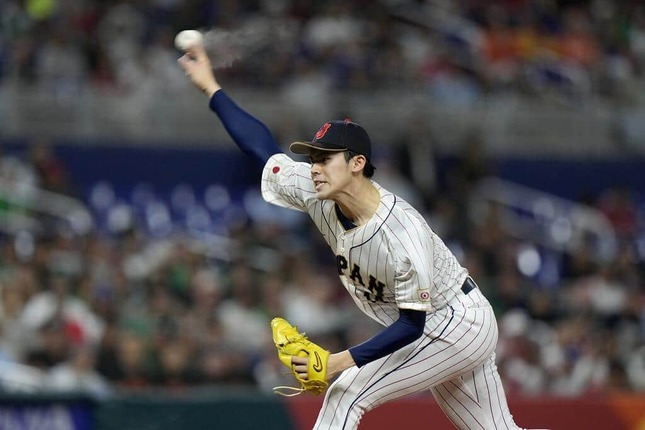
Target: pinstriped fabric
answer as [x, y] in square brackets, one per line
[483, 387]
[346, 400]
[454, 359]
[395, 261]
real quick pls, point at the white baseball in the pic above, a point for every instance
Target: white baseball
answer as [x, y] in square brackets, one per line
[188, 38]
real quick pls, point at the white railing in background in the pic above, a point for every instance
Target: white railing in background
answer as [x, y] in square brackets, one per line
[29, 206]
[545, 219]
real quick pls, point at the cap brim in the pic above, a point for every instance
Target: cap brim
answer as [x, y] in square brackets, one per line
[303, 148]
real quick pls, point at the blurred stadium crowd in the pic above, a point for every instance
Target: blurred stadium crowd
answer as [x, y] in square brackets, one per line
[464, 49]
[126, 307]
[120, 310]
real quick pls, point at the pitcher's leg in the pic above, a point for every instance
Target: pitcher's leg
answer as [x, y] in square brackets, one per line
[487, 380]
[339, 411]
[357, 390]
[461, 405]
[483, 387]
[460, 340]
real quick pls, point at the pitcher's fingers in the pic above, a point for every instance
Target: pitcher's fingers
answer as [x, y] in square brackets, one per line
[185, 61]
[299, 360]
[300, 368]
[197, 52]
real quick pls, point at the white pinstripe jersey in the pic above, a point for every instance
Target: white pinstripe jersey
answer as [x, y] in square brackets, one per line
[394, 261]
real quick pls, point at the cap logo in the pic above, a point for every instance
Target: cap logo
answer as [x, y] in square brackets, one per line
[322, 131]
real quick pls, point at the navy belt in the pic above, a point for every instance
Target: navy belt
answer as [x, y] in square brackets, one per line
[468, 285]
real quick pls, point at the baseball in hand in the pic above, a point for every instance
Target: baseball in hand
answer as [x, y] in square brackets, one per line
[188, 38]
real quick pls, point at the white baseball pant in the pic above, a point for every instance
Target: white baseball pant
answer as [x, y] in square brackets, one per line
[455, 359]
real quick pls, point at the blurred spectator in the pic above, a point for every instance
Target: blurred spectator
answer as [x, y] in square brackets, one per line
[452, 86]
[220, 360]
[241, 314]
[14, 169]
[131, 366]
[619, 207]
[177, 370]
[309, 92]
[519, 356]
[417, 155]
[61, 66]
[510, 291]
[16, 286]
[584, 366]
[577, 44]
[53, 174]
[310, 301]
[636, 369]
[78, 375]
[57, 309]
[333, 29]
[500, 48]
[53, 345]
[392, 179]
[120, 32]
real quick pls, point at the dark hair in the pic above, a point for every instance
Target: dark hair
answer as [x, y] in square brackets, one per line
[368, 170]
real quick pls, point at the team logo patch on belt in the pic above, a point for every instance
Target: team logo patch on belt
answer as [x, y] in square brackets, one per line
[424, 295]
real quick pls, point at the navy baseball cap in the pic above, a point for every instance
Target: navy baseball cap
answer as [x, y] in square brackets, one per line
[337, 136]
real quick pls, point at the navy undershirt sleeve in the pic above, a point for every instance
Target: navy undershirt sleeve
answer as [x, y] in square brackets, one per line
[249, 133]
[402, 332]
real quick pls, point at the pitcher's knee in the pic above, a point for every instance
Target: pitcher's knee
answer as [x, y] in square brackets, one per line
[343, 408]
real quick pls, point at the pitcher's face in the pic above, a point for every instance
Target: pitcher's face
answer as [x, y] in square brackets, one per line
[330, 172]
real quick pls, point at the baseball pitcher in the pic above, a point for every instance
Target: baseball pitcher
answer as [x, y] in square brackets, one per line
[439, 330]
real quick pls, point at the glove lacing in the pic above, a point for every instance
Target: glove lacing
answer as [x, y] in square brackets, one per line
[285, 390]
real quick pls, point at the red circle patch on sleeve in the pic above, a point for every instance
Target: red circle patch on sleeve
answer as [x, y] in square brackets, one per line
[276, 169]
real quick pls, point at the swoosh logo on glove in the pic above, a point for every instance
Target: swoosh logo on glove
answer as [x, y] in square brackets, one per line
[318, 366]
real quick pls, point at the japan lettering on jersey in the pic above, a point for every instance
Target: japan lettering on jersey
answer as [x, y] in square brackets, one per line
[394, 261]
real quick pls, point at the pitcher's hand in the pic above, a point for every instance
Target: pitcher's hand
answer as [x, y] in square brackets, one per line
[198, 68]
